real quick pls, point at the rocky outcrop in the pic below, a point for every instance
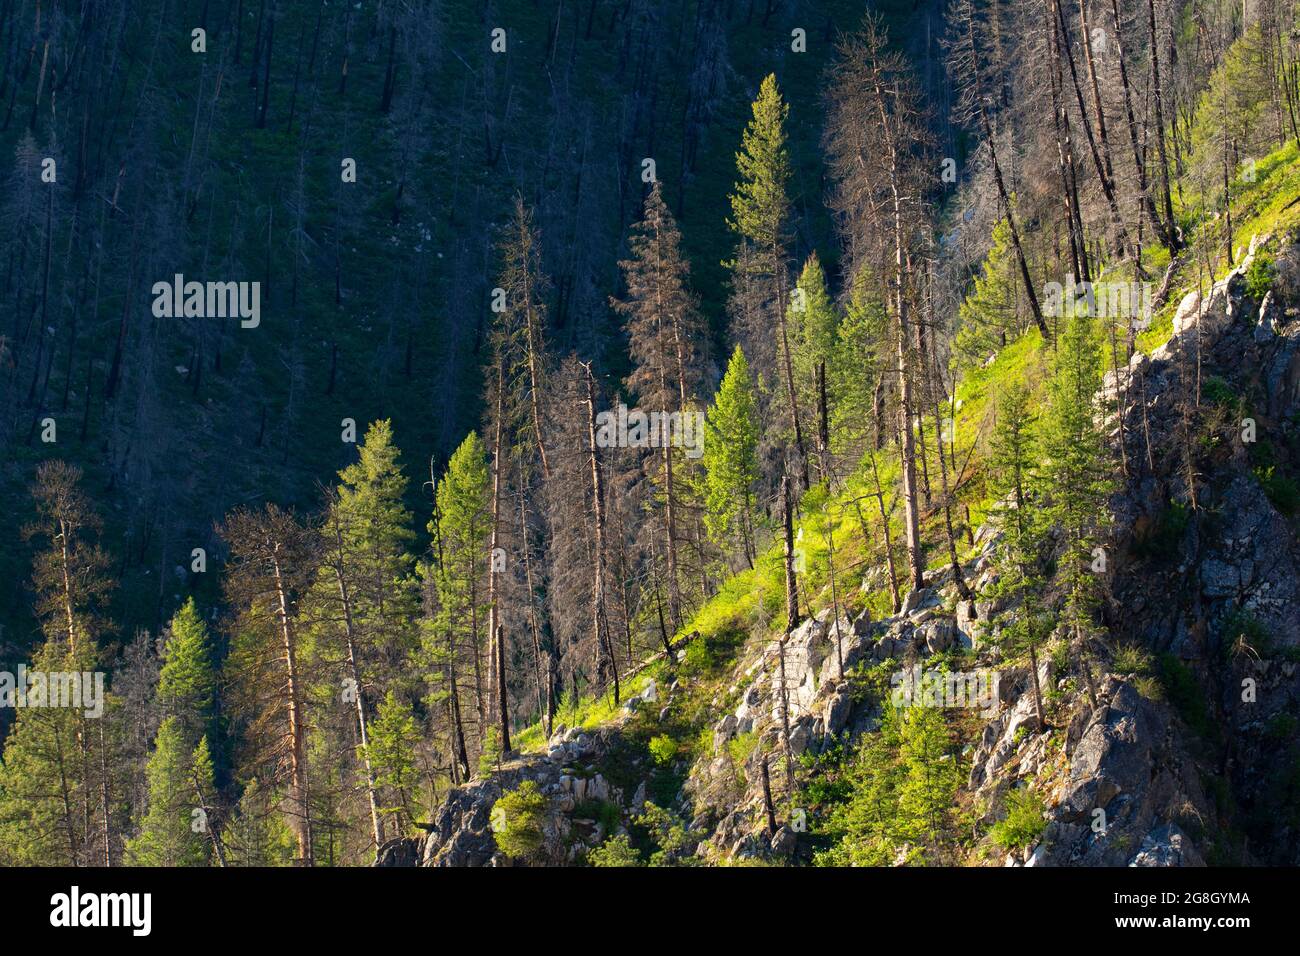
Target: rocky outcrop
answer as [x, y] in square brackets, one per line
[1129, 780]
[1218, 594]
[461, 833]
[1122, 772]
[820, 704]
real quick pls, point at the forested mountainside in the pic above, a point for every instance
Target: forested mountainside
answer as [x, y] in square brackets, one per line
[621, 433]
[375, 293]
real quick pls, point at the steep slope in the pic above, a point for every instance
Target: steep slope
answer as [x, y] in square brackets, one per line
[1187, 754]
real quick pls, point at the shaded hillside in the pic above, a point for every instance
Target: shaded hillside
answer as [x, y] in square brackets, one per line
[226, 166]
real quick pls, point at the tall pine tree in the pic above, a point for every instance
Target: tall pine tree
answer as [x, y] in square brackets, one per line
[760, 215]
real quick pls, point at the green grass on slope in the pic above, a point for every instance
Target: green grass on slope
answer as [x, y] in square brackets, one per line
[1265, 200]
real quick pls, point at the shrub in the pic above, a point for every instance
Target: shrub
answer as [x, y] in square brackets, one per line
[517, 820]
[670, 833]
[1060, 652]
[699, 658]
[616, 851]
[1260, 275]
[604, 812]
[741, 746]
[703, 743]
[663, 748]
[1149, 687]
[1216, 391]
[1281, 490]
[1024, 822]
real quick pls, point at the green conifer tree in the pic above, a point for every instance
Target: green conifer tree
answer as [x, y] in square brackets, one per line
[394, 737]
[1024, 624]
[760, 213]
[455, 638]
[731, 459]
[364, 603]
[813, 320]
[930, 776]
[174, 829]
[187, 680]
[1076, 478]
[987, 317]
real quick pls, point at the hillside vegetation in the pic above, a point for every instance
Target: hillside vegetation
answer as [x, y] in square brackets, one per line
[769, 435]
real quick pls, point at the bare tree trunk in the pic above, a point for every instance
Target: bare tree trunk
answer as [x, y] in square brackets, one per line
[1165, 232]
[791, 620]
[354, 672]
[1003, 195]
[907, 445]
[787, 527]
[534, 376]
[785, 721]
[1091, 64]
[889, 538]
[907, 448]
[297, 729]
[823, 425]
[767, 799]
[496, 655]
[65, 565]
[544, 700]
[1065, 159]
[1038, 690]
[103, 794]
[600, 619]
[958, 577]
[503, 702]
[460, 763]
[1100, 155]
[670, 540]
[210, 821]
[835, 595]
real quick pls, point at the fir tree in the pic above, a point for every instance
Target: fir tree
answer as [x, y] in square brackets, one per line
[363, 601]
[374, 525]
[760, 206]
[731, 458]
[1076, 478]
[187, 680]
[454, 638]
[174, 830]
[858, 369]
[863, 824]
[1025, 624]
[987, 318]
[813, 324]
[258, 834]
[930, 776]
[395, 735]
[760, 213]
